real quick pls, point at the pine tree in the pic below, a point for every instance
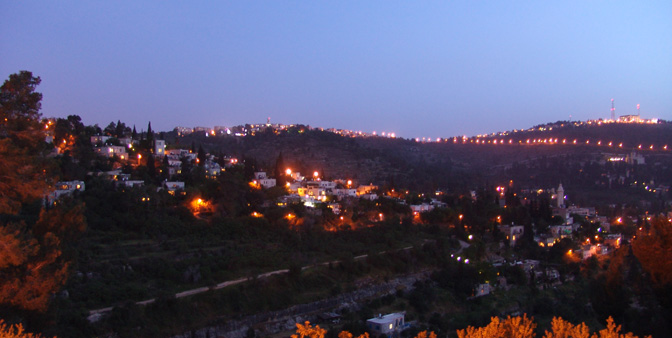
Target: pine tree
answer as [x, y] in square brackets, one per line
[150, 137]
[31, 266]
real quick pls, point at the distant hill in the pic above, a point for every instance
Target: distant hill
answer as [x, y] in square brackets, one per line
[450, 163]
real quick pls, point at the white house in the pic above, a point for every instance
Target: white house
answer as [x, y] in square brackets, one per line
[159, 147]
[213, 169]
[327, 185]
[111, 151]
[267, 182]
[312, 190]
[513, 232]
[635, 158]
[585, 212]
[335, 208]
[560, 231]
[562, 212]
[99, 138]
[130, 183]
[419, 208]
[126, 141]
[482, 290]
[178, 153]
[341, 193]
[171, 187]
[294, 187]
[370, 197]
[65, 188]
[386, 325]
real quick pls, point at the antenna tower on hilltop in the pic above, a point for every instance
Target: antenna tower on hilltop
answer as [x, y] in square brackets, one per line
[638, 110]
[613, 111]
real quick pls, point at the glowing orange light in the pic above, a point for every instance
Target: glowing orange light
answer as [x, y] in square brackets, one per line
[139, 156]
[288, 171]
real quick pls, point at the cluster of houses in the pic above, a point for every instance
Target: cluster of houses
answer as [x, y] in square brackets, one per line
[312, 191]
[556, 233]
[121, 151]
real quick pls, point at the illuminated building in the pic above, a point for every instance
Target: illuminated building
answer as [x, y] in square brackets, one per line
[386, 325]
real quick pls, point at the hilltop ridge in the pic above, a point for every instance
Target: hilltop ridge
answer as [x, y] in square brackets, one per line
[431, 165]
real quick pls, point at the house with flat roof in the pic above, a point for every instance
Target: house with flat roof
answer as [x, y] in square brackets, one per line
[388, 324]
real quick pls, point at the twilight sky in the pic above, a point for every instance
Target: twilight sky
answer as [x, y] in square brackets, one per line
[420, 69]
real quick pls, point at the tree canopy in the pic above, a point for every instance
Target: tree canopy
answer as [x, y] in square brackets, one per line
[31, 264]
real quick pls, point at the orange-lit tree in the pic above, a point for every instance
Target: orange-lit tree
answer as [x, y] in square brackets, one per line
[523, 327]
[346, 334]
[653, 249]
[31, 266]
[308, 331]
[15, 331]
[511, 327]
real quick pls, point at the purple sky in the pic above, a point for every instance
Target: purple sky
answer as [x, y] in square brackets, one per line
[420, 69]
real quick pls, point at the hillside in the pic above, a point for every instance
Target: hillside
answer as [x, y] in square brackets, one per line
[452, 163]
